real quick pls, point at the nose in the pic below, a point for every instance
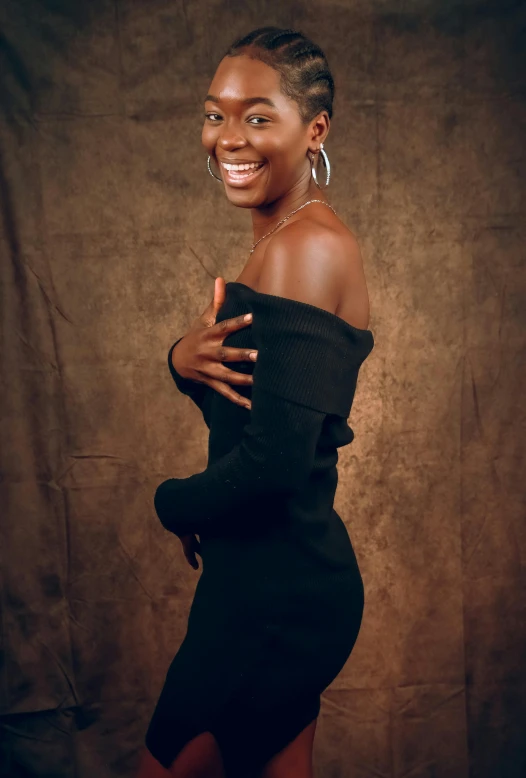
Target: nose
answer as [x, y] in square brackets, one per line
[230, 142]
[229, 136]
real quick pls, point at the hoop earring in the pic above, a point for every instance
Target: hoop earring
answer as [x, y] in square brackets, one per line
[326, 165]
[212, 172]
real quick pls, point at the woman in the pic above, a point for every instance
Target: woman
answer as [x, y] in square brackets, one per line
[279, 603]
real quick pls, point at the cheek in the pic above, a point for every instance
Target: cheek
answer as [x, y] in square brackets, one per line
[282, 149]
[208, 138]
[276, 153]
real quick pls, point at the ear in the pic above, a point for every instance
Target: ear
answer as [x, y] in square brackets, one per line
[319, 130]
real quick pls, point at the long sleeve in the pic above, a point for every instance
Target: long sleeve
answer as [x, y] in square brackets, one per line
[307, 365]
[275, 455]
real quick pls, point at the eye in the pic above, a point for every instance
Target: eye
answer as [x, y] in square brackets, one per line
[257, 118]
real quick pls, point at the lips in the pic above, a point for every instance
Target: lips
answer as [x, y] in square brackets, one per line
[242, 161]
[241, 177]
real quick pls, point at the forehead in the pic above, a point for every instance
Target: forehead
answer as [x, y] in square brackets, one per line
[239, 78]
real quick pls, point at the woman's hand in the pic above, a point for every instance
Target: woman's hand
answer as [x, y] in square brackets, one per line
[199, 355]
[191, 547]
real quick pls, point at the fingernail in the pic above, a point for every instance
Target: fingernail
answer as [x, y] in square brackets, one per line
[253, 355]
[248, 316]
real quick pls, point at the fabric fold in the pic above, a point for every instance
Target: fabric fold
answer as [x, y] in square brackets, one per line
[305, 354]
[307, 367]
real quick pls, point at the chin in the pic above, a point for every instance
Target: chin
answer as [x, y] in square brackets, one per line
[244, 198]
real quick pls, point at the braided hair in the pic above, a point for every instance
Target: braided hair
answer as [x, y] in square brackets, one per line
[302, 65]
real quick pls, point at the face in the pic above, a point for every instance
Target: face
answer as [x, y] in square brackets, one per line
[267, 131]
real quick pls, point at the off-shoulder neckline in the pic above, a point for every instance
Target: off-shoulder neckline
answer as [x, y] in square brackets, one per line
[324, 311]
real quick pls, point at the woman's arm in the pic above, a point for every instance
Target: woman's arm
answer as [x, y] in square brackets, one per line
[304, 370]
[275, 456]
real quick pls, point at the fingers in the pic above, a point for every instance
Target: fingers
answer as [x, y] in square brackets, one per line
[226, 390]
[235, 323]
[226, 375]
[191, 546]
[219, 294]
[209, 315]
[229, 353]
[190, 557]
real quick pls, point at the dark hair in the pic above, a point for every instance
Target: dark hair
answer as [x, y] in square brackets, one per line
[304, 70]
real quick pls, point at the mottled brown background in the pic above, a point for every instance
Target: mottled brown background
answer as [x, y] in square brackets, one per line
[112, 235]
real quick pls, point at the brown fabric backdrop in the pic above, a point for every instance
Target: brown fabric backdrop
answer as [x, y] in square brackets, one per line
[112, 235]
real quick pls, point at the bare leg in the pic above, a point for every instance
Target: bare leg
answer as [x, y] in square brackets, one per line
[295, 760]
[200, 758]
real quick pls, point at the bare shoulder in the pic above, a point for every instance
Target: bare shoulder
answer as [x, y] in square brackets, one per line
[313, 263]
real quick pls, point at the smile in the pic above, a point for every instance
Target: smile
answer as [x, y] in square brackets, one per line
[244, 176]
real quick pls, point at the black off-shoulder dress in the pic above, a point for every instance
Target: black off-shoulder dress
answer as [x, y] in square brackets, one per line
[279, 602]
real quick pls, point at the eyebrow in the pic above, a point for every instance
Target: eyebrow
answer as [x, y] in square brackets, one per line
[246, 101]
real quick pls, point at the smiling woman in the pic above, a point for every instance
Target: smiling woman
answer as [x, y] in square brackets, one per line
[271, 128]
[279, 604]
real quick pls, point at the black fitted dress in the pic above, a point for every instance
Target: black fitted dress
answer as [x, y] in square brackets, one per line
[279, 602]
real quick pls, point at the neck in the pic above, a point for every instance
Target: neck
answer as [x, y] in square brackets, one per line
[265, 217]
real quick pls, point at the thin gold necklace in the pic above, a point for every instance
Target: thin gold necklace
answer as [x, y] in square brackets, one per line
[288, 217]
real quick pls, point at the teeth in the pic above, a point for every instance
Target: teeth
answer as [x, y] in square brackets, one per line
[246, 166]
